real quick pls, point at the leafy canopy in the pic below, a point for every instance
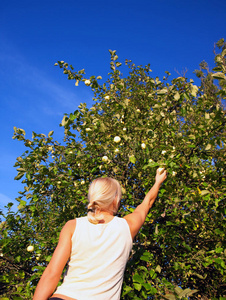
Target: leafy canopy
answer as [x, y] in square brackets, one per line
[172, 123]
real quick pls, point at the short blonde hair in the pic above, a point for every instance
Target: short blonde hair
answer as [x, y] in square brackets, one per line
[102, 192]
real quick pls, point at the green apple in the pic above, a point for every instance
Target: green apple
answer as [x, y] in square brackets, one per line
[104, 158]
[87, 82]
[30, 248]
[117, 139]
[143, 146]
[161, 170]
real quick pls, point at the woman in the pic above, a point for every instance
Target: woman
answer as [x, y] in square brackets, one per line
[97, 246]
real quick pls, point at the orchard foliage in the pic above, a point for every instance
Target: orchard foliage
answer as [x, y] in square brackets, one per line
[180, 251]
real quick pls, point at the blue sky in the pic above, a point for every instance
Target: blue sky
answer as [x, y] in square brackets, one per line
[34, 94]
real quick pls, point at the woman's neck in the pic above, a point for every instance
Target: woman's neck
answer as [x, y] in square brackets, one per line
[107, 216]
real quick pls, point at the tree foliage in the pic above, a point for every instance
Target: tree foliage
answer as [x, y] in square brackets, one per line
[180, 252]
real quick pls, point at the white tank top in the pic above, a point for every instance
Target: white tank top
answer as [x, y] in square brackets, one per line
[98, 258]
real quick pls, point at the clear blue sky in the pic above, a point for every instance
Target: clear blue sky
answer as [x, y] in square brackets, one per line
[34, 95]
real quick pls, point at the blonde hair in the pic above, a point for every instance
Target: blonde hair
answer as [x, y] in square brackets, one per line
[102, 192]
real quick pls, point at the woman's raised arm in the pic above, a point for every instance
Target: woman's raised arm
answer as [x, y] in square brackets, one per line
[136, 219]
[51, 276]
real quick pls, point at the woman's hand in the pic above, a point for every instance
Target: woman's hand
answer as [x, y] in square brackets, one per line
[160, 176]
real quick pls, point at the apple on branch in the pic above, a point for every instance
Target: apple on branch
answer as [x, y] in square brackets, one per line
[87, 82]
[105, 158]
[161, 170]
[30, 248]
[117, 139]
[143, 146]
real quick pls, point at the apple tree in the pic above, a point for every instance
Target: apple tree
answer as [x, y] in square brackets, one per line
[137, 123]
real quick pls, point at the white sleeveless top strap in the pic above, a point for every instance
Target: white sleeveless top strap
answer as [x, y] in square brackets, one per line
[98, 258]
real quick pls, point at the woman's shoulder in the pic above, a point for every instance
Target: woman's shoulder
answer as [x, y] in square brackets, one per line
[122, 221]
[71, 222]
[70, 226]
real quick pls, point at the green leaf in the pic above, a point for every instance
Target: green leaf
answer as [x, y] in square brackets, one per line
[152, 291]
[137, 278]
[208, 147]
[132, 159]
[192, 137]
[158, 269]
[177, 96]
[156, 229]
[219, 250]
[48, 258]
[19, 176]
[126, 290]
[137, 286]
[162, 91]
[199, 276]
[50, 133]
[21, 170]
[218, 75]
[145, 258]
[178, 290]
[23, 203]
[187, 293]
[64, 121]
[147, 286]
[170, 297]
[153, 274]
[204, 192]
